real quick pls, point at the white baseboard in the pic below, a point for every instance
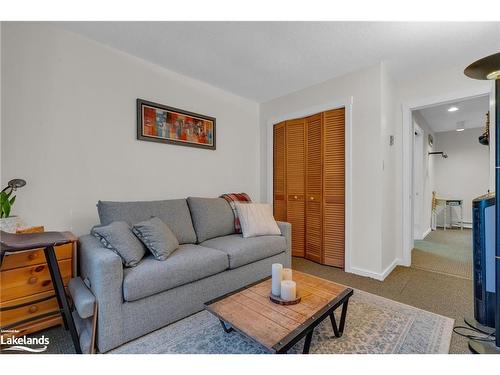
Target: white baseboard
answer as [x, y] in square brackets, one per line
[374, 275]
[466, 225]
[366, 273]
[396, 262]
[426, 233]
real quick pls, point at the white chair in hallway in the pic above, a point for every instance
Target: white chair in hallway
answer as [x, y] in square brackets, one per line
[441, 205]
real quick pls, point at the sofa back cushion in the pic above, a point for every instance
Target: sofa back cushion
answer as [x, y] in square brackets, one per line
[173, 212]
[212, 217]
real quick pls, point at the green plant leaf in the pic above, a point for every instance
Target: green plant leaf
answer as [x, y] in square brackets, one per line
[5, 208]
[12, 200]
[4, 201]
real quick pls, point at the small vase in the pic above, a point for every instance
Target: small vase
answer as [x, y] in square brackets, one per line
[11, 224]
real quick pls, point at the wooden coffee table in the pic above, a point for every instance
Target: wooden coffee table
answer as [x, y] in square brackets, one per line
[278, 328]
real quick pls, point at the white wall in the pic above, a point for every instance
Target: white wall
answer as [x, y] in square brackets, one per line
[427, 177]
[391, 166]
[465, 173]
[365, 87]
[69, 129]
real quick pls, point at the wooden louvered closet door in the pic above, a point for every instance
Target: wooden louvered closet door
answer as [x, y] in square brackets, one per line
[333, 187]
[279, 172]
[314, 187]
[295, 178]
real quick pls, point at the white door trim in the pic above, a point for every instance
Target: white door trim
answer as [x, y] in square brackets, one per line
[407, 150]
[418, 183]
[347, 103]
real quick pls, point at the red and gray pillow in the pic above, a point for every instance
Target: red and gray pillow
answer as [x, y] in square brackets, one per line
[232, 199]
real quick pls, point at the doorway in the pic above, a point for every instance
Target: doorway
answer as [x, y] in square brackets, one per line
[451, 167]
[408, 110]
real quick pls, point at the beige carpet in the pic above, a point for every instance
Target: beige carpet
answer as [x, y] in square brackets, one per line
[447, 252]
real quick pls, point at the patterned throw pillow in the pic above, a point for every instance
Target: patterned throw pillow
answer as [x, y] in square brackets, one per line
[157, 237]
[232, 199]
[118, 237]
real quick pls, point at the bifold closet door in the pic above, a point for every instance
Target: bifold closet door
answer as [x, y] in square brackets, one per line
[314, 186]
[279, 171]
[333, 187]
[295, 183]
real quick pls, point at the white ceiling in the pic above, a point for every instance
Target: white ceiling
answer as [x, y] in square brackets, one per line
[264, 60]
[471, 111]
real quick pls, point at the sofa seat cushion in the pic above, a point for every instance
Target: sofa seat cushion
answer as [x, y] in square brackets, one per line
[241, 251]
[186, 264]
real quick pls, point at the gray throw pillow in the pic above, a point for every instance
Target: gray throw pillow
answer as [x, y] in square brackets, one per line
[119, 238]
[157, 237]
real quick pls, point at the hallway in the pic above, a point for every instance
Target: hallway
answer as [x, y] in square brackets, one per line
[446, 252]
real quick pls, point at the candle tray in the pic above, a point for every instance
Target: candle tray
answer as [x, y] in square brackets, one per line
[279, 301]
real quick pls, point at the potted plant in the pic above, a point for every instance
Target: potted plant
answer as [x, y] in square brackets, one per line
[9, 223]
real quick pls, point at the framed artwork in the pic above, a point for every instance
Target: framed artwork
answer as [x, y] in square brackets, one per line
[159, 123]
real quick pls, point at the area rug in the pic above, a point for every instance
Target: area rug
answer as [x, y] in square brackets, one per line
[374, 325]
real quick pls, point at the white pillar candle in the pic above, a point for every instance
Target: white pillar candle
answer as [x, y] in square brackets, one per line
[277, 270]
[287, 274]
[288, 290]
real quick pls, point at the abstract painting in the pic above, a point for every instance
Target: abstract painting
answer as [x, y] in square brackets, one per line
[159, 123]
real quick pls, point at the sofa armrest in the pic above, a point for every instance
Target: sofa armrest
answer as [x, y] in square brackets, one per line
[82, 297]
[102, 270]
[286, 231]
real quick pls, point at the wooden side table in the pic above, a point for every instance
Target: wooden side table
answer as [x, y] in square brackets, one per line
[28, 302]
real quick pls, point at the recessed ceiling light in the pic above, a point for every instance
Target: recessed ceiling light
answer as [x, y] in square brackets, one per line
[460, 130]
[460, 126]
[452, 109]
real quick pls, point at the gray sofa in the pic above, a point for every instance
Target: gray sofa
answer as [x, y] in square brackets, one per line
[212, 260]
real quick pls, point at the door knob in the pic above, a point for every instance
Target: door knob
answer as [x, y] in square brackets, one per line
[295, 197]
[312, 198]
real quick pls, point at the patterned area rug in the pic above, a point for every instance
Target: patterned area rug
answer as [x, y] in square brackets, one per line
[374, 325]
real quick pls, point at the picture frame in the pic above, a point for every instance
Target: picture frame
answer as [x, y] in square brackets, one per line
[160, 123]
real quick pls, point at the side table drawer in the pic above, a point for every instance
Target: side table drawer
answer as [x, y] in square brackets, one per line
[21, 282]
[29, 258]
[28, 309]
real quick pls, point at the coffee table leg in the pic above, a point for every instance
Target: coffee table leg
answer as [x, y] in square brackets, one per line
[307, 343]
[334, 325]
[338, 331]
[342, 317]
[225, 327]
